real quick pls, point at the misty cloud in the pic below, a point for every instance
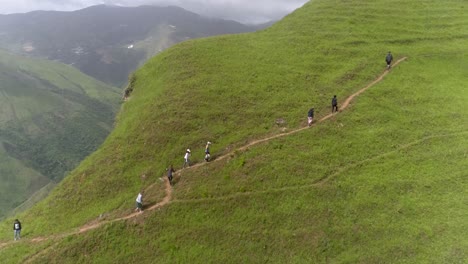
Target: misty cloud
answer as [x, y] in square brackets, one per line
[250, 11]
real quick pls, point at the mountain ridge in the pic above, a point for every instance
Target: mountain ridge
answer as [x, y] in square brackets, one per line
[96, 39]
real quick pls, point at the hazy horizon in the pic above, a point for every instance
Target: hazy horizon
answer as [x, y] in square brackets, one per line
[243, 11]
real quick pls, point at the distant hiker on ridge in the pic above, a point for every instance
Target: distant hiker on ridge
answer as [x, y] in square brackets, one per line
[169, 174]
[334, 104]
[310, 116]
[139, 202]
[187, 158]
[17, 229]
[207, 151]
[389, 59]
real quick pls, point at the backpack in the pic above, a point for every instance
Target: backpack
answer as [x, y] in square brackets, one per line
[389, 57]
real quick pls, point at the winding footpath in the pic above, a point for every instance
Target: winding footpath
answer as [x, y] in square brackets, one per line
[168, 189]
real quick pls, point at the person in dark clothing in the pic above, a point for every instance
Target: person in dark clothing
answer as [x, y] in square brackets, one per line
[170, 171]
[389, 59]
[334, 104]
[310, 116]
[17, 229]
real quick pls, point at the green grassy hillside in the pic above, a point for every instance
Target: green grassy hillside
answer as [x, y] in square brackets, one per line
[384, 181]
[51, 117]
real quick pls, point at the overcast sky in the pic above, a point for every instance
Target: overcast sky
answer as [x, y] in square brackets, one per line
[254, 11]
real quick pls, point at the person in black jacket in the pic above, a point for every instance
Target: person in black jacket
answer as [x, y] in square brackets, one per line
[334, 104]
[169, 174]
[310, 116]
[17, 229]
[389, 59]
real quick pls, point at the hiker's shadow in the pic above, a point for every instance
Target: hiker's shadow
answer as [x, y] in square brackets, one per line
[148, 205]
[175, 180]
[212, 158]
[178, 178]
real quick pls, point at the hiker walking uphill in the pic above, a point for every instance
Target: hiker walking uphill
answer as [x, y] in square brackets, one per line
[334, 104]
[139, 202]
[389, 59]
[207, 151]
[310, 116]
[17, 229]
[187, 158]
[170, 171]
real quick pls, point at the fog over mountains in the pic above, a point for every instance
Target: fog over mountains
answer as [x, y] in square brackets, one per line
[245, 11]
[107, 42]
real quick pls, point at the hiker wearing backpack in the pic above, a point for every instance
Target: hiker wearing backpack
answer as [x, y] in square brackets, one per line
[334, 104]
[207, 151]
[187, 158]
[17, 229]
[170, 171]
[389, 59]
[310, 116]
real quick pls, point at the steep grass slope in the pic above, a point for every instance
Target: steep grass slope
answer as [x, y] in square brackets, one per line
[381, 182]
[51, 117]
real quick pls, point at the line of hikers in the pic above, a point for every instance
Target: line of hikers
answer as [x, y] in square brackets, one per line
[334, 101]
[170, 170]
[310, 114]
[188, 153]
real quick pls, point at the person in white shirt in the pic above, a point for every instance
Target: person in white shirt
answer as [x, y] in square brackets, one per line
[187, 158]
[139, 202]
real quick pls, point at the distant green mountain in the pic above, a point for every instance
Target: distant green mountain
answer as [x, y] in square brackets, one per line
[107, 42]
[51, 117]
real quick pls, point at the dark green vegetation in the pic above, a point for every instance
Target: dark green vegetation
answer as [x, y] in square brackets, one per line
[382, 182]
[107, 42]
[52, 116]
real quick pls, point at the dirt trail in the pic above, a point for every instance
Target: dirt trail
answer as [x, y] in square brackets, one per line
[343, 106]
[167, 198]
[168, 189]
[165, 201]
